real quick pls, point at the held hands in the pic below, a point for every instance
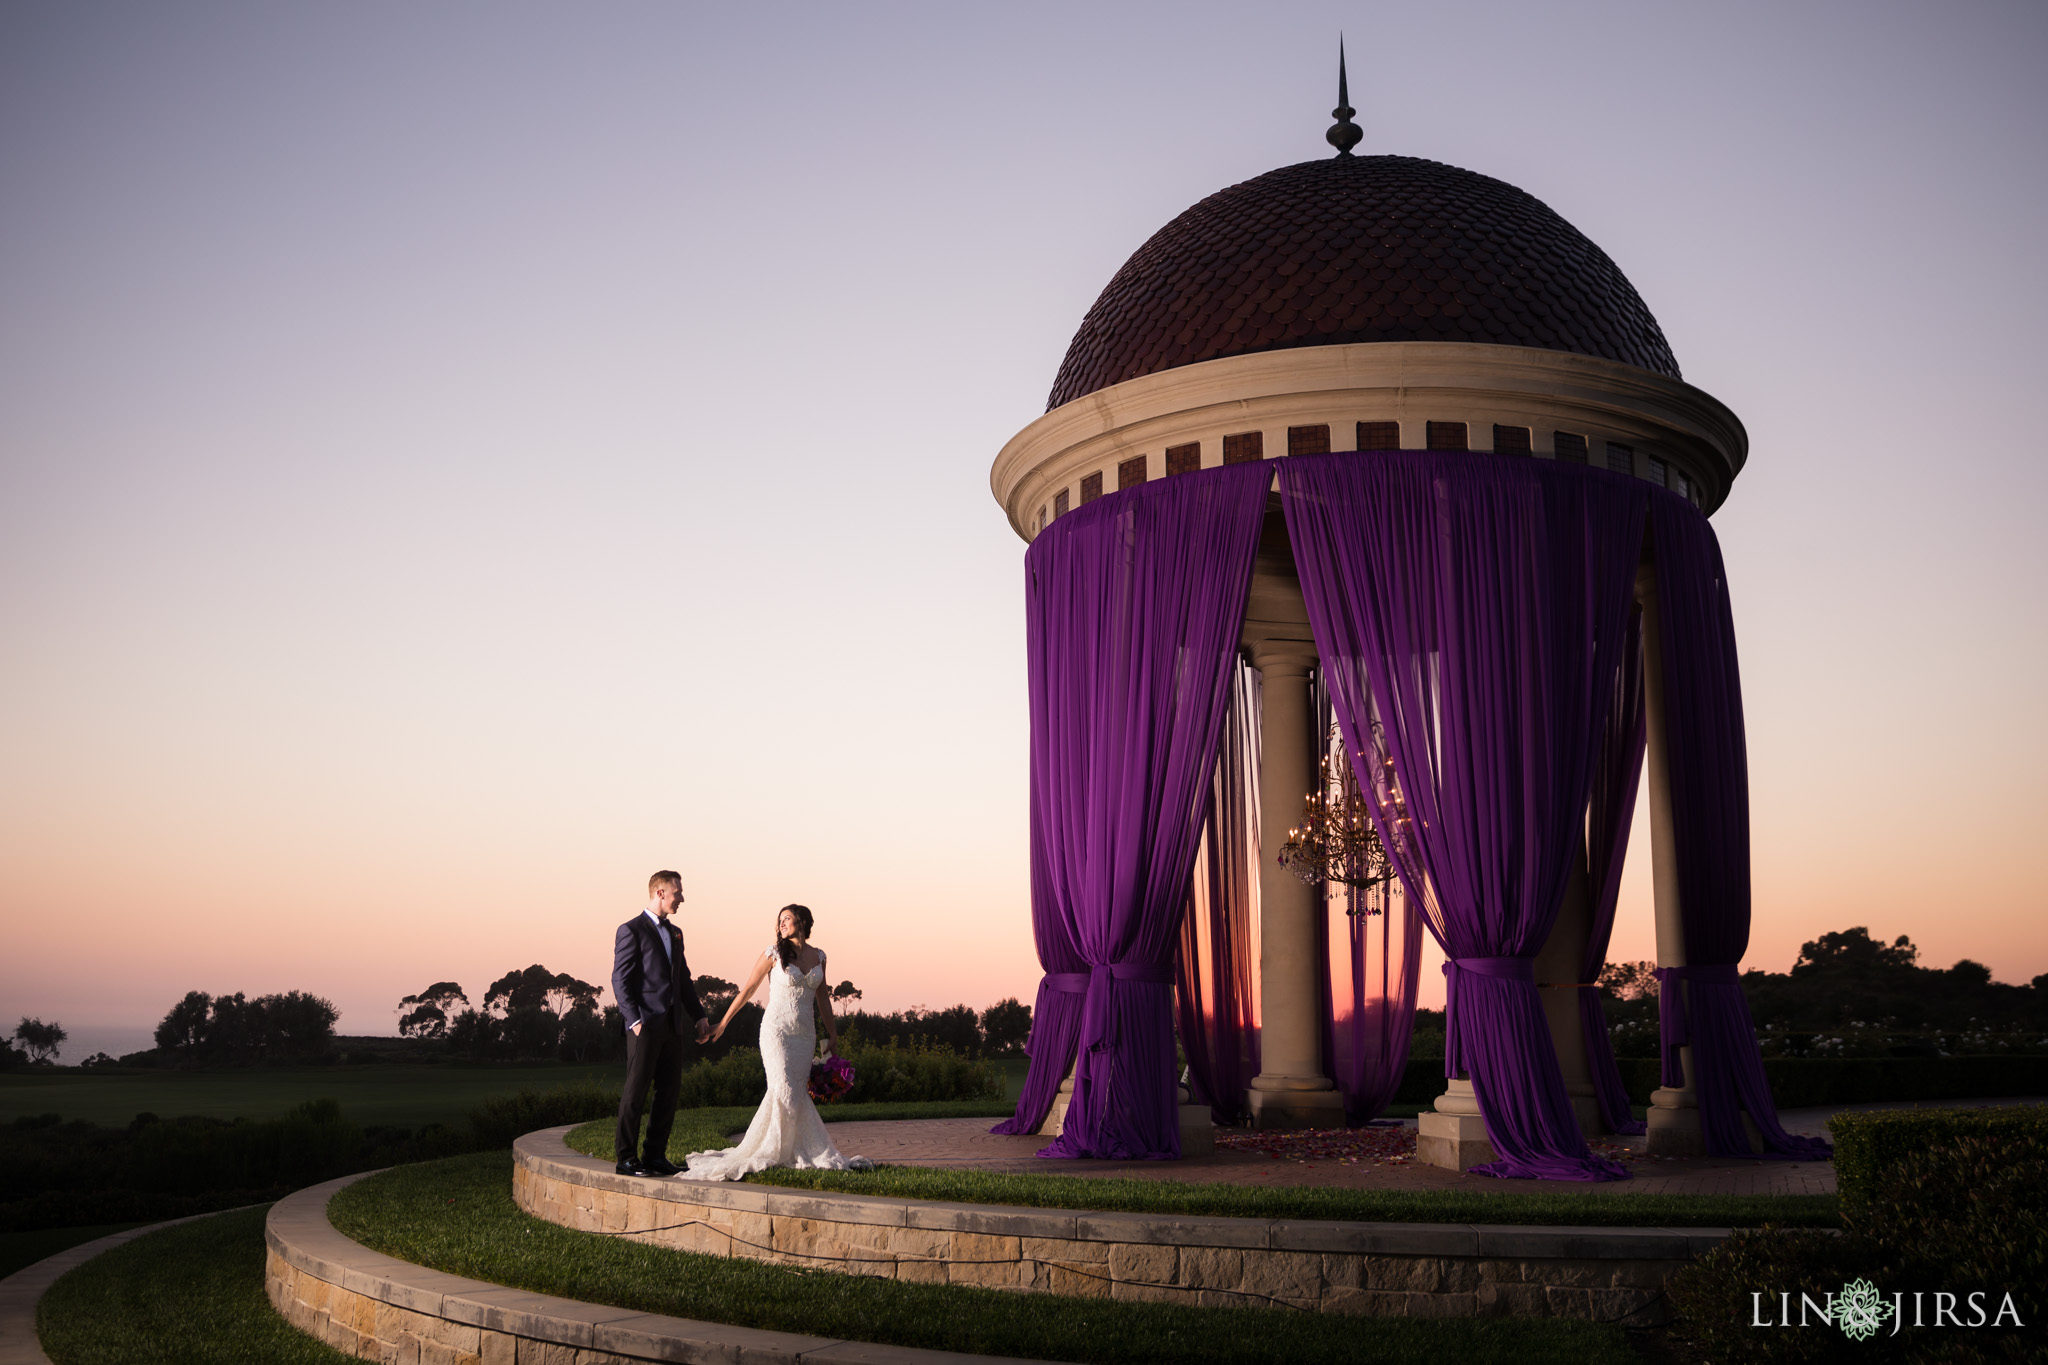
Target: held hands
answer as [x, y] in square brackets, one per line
[704, 1034]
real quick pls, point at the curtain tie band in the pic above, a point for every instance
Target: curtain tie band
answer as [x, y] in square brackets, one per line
[1142, 971]
[1073, 983]
[1674, 1013]
[1500, 969]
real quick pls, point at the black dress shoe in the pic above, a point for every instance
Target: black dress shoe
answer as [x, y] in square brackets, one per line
[661, 1165]
[630, 1166]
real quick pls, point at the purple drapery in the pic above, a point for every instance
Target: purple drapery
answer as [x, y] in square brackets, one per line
[1702, 1002]
[1371, 969]
[1615, 780]
[1469, 605]
[1215, 972]
[1133, 607]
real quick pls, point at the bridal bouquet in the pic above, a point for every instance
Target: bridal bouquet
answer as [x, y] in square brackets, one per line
[831, 1079]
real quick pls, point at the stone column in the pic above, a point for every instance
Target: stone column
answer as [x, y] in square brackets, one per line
[1674, 1120]
[1557, 966]
[1291, 1089]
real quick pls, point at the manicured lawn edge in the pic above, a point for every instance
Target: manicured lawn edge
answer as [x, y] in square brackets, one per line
[458, 1216]
[705, 1129]
[193, 1292]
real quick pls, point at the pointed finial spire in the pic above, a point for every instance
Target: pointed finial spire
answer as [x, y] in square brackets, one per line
[1343, 134]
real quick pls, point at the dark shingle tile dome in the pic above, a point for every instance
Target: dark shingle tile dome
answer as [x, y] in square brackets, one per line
[1368, 248]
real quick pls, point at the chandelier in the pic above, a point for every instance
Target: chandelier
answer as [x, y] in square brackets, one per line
[1337, 840]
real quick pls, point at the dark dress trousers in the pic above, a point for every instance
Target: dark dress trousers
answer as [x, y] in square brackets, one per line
[655, 993]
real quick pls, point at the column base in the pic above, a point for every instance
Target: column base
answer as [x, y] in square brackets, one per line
[1675, 1131]
[1452, 1141]
[1056, 1117]
[1197, 1127]
[1297, 1109]
[1197, 1130]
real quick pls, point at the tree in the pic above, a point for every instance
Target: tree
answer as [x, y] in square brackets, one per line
[521, 990]
[428, 1012]
[235, 1033]
[534, 1003]
[183, 1030]
[715, 993]
[295, 1024]
[474, 1032]
[1629, 980]
[1006, 1027]
[40, 1040]
[1854, 951]
[846, 990]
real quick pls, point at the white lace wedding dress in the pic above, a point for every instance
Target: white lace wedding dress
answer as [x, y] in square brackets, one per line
[786, 1130]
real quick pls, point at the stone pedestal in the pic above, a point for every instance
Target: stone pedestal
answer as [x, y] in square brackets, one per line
[1056, 1117]
[1197, 1126]
[1277, 1108]
[1197, 1130]
[1453, 1135]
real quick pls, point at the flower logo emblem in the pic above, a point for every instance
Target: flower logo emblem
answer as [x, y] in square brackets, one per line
[1860, 1310]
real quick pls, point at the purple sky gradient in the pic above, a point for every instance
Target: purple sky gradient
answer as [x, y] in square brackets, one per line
[456, 459]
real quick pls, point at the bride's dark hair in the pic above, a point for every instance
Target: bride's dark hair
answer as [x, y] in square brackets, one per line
[785, 948]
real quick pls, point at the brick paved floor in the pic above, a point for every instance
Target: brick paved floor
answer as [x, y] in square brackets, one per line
[967, 1144]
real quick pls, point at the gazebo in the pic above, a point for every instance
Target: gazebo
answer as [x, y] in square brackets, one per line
[1379, 441]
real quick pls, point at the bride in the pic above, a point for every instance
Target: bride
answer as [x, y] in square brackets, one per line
[786, 1130]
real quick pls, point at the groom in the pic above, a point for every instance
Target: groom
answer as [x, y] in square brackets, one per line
[651, 981]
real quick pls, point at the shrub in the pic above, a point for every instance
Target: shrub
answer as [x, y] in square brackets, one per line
[735, 1079]
[900, 1074]
[893, 1073]
[1933, 1201]
[1870, 1147]
[498, 1123]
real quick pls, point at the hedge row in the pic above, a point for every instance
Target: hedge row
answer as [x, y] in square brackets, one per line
[1936, 1204]
[57, 1174]
[1803, 1082]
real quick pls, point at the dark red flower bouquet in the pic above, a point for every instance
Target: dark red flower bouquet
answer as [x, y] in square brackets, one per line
[831, 1079]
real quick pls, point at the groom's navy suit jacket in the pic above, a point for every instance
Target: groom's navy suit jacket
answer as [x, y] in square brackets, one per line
[644, 982]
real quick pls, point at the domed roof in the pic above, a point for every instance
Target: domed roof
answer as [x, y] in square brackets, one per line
[1367, 248]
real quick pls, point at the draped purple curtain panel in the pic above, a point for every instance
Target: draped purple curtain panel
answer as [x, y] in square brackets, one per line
[1371, 972]
[1216, 968]
[1702, 1003]
[1133, 608]
[1470, 608]
[1616, 778]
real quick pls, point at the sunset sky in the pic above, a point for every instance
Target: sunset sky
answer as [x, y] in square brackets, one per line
[457, 459]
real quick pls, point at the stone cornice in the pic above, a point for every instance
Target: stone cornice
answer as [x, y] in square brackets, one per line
[1409, 381]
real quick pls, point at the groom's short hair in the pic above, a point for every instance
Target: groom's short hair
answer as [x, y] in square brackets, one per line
[674, 879]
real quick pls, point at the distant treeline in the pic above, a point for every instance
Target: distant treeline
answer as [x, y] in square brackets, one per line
[526, 1015]
[1851, 995]
[1848, 995]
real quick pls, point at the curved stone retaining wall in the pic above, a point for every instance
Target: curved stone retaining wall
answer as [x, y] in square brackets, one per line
[1398, 1269]
[377, 1307]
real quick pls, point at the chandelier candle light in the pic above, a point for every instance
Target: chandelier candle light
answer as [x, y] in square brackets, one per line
[1337, 840]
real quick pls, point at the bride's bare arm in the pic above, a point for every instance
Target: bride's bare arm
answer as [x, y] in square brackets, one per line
[746, 993]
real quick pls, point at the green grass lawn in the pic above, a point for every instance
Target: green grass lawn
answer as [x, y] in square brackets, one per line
[401, 1096]
[191, 1294]
[20, 1250]
[458, 1216]
[699, 1130]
